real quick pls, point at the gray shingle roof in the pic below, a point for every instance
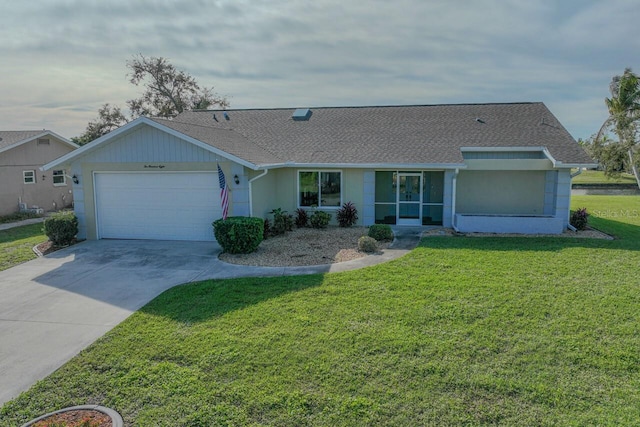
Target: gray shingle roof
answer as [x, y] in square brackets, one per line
[10, 137]
[420, 134]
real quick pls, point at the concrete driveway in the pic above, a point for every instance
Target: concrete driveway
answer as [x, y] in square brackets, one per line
[53, 307]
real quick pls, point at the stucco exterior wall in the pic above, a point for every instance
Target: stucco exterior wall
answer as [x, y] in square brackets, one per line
[43, 193]
[279, 189]
[501, 192]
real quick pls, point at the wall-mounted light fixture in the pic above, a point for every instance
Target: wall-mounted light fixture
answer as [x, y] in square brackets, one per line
[75, 179]
[236, 179]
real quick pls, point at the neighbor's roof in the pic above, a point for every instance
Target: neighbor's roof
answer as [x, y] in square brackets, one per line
[13, 138]
[419, 134]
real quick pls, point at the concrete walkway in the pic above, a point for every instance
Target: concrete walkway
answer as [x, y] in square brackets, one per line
[21, 223]
[53, 307]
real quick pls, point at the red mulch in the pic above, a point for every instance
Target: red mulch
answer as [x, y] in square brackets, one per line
[77, 418]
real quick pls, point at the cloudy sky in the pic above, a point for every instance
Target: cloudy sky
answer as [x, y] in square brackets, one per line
[60, 60]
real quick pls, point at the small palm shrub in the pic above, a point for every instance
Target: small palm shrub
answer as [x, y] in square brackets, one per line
[302, 218]
[347, 215]
[239, 234]
[320, 219]
[579, 218]
[61, 228]
[367, 244]
[381, 232]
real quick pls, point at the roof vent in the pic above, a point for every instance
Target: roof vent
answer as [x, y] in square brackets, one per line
[479, 120]
[301, 114]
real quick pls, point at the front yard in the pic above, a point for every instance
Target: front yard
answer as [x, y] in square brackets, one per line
[16, 244]
[462, 331]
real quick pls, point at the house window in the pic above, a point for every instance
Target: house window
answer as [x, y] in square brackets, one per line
[29, 177]
[320, 188]
[43, 141]
[59, 178]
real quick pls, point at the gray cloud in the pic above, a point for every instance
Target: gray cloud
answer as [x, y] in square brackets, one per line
[66, 58]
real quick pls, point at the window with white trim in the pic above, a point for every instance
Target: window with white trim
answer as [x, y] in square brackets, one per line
[29, 177]
[320, 188]
[59, 178]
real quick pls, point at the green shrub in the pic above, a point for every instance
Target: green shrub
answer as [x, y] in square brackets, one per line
[282, 222]
[367, 244]
[267, 228]
[302, 218]
[347, 215]
[61, 228]
[381, 232]
[579, 218]
[239, 234]
[320, 219]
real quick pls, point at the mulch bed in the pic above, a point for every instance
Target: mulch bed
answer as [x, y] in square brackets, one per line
[48, 247]
[77, 418]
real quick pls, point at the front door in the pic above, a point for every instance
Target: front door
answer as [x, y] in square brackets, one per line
[409, 198]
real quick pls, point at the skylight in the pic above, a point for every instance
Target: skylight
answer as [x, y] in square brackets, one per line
[301, 114]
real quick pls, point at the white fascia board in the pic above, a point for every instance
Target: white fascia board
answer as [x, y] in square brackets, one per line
[95, 144]
[366, 165]
[40, 135]
[556, 164]
[502, 149]
[560, 165]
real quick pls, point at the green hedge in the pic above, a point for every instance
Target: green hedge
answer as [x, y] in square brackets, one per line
[381, 232]
[239, 234]
[61, 228]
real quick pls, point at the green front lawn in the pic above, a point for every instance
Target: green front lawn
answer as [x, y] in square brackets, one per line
[462, 331]
[598, 177]
[16, 244]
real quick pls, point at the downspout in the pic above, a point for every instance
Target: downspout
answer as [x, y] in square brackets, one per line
[454, 185]
[569, 226]
[266, 171]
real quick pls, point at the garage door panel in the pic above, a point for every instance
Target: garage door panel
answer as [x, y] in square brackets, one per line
[159, 206]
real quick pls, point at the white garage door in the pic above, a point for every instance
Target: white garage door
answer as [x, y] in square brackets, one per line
[157, 206]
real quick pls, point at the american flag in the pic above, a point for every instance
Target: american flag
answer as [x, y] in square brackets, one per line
[224, 193]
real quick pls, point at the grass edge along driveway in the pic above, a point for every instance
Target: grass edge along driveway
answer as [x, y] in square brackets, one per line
[471, 331]
[16, 244]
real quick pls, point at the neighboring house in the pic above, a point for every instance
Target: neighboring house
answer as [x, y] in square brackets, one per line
[24, 185]
[474, 167]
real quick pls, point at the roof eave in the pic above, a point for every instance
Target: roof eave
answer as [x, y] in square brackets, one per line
[92, 146]
[364, 165]
[561, 165]
[40, 135]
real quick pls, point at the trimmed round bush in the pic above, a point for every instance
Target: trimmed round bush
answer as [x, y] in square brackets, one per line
[61, 228]
[320, 219]
[381, 232]
[239, 234]
[367, 244]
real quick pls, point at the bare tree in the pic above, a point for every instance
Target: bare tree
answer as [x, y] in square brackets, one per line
[109, 118]
[167, 93]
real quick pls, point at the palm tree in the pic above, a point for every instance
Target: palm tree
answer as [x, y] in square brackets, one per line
[624, 114]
